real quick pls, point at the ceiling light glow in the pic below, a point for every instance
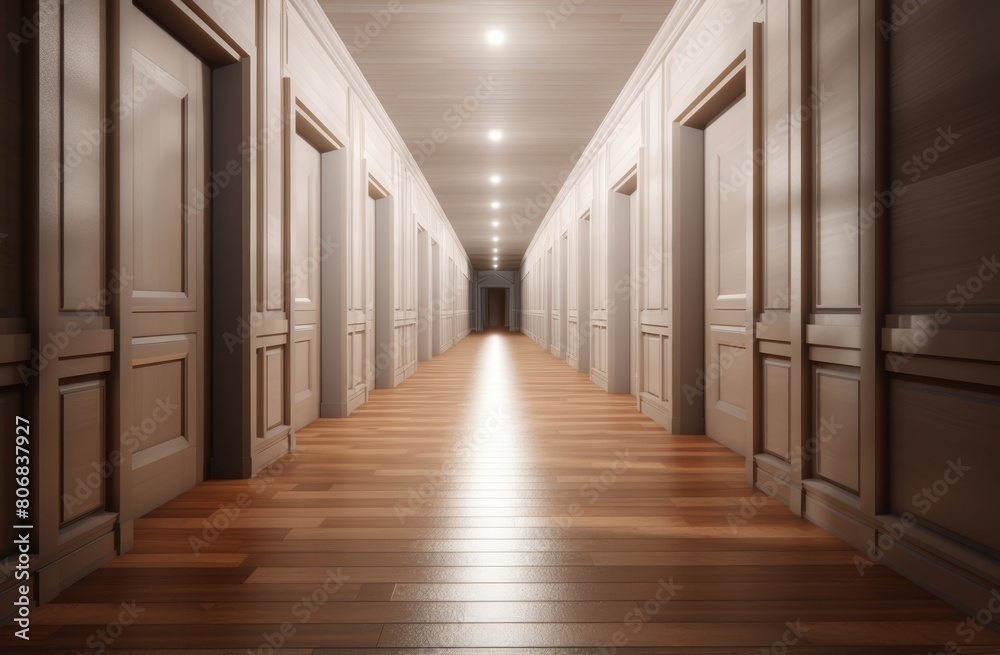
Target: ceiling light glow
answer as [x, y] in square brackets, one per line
[495, 179]
[495, 37]
[496, 135]
[495, 205]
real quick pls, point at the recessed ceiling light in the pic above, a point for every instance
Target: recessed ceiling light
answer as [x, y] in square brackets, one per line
[496, 259]
[496, 223]
[494, 265]
[496, 135]
[495, 205]
[495, 37]
[496, 238]
[495, 179]
[496, 250]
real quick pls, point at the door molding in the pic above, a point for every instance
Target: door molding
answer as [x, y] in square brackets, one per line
[302, 121]
[720, 89]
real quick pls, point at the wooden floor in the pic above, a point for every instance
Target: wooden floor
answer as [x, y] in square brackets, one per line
[497, 502]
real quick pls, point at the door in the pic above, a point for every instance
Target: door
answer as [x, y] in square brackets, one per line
[305, 280]
[164, 241]
[727, 382]
[369, 263]
[633, 281]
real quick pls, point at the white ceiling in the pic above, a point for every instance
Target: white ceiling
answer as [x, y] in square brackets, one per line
[547, 87]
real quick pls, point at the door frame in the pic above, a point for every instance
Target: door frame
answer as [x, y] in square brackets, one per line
[228, 371]
[303, 120]
[383, 267]
[740, 77]
[563, 247]
[623, 367]
[580, 264]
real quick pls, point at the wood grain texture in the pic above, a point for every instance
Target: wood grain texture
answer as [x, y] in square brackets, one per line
[495, 499]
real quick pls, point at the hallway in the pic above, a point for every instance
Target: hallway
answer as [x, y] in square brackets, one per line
[495, 499]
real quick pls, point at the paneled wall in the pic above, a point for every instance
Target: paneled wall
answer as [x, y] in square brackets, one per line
[153, 344]
[866, 336]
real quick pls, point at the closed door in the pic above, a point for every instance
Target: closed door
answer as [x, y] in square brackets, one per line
[633, 304]
[305, 281]
[369, 259]
[727, 382]
[164, 235]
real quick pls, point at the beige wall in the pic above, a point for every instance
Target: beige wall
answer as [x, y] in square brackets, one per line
[860, 399]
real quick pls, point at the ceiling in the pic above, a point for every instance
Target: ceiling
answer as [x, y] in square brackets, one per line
[547, 87]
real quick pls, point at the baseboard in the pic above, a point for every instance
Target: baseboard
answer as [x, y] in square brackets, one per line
[656, 410]
[271, 453]
[56, 576]
[949, 578]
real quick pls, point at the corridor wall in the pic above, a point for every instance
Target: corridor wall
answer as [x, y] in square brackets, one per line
[861, 371]
[150, 343]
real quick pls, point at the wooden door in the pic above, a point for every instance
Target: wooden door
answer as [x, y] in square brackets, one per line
[633, 292]
[727, 382]
[370, 263]
[164, 244]
[305, 280]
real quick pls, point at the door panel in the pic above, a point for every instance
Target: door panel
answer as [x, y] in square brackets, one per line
[727, 374]
[167, 171]
[305, 281]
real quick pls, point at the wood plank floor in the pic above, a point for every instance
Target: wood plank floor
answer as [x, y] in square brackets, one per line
[497, 502]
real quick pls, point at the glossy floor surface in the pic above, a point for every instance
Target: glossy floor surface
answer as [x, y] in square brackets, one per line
[496, 502]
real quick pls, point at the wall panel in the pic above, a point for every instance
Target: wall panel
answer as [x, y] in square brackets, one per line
[837, 403]
[776, 401]
[83, 432]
